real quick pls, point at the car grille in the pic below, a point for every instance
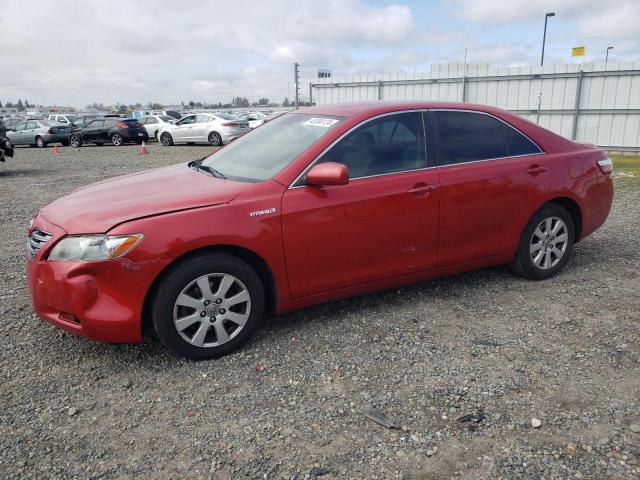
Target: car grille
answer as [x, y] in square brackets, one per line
[36, 240]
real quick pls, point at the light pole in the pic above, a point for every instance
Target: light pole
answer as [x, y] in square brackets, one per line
[544, 35]
[606, 58]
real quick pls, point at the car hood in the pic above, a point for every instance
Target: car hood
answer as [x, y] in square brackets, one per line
[101, 206]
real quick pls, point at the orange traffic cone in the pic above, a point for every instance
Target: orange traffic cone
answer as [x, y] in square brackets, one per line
[56, 150]
[143, 149]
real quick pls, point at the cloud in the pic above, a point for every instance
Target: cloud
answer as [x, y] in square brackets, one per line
[78, 51]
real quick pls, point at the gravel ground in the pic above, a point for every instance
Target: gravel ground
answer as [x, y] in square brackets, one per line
[372, 387]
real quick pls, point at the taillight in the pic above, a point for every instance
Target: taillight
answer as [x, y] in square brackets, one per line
[50, 131]
[122, 125]
[606, 165]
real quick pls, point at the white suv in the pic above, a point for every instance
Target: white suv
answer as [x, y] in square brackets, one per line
[66, 118]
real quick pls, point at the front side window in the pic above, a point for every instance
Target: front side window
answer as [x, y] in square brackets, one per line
[467, 137]
[263, 152]
[389, 144]
[187, 120]
[20, 126]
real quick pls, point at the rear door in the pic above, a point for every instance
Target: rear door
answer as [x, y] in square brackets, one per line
[382, 224]
[201, 128]
[491, 175]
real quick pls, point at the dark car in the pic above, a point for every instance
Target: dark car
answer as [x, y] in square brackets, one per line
[5, 146]
[82, 120]
[118, 131]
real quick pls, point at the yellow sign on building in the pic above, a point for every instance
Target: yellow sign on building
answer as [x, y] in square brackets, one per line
[577, 51]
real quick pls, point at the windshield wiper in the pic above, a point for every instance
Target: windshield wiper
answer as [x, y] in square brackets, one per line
[197, 164]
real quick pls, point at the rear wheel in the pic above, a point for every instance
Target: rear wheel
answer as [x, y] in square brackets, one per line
[166, 139]
[117, 139]
[208, 306]
[545, 244]
[40, 143]
[215, 139]
[75, 141]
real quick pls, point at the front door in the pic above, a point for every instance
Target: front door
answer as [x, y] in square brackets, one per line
[382, 224]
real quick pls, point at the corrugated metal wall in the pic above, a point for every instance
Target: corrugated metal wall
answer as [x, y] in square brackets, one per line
[607, 113]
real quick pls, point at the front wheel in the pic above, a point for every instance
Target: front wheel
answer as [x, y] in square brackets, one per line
[215, 139]
[166, 139]
[65, 143]
[117, 139]
[207, 306]
[545, 244]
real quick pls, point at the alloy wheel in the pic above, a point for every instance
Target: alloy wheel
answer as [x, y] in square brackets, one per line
[549, 243]
[116, 139]
[212, 310]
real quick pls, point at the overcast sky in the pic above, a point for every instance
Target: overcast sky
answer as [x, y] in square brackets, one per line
[73, 52]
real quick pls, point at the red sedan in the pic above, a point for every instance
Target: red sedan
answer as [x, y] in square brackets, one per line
[316, 205]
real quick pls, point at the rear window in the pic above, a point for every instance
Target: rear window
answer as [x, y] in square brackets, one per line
[166, 118]
[226, 116]
[131, 121]
[44, 122]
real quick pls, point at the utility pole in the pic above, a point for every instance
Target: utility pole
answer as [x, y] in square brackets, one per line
[544, 35]
[296, 82]
[606, 58]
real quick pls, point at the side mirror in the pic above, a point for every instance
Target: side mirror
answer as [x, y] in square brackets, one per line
[329, 173]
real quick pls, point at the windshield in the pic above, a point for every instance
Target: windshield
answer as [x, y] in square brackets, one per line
[260, 154]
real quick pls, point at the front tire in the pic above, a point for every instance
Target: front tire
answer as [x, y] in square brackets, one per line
[207, 306]
[65, 143]
[545, 244]
[215, 139]
[166, 139]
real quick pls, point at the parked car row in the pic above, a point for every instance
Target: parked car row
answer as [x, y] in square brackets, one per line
[74, 129]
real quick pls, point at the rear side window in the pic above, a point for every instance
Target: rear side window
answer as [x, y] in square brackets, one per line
[518, 143]
[150, 121]
[467, 137]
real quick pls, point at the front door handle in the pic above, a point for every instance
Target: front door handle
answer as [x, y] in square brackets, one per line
[536, 170]
[422, 188]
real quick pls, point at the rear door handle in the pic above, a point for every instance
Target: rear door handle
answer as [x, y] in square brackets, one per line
[536, 170]
[422, 188]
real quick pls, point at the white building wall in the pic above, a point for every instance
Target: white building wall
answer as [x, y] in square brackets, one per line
[609, 107]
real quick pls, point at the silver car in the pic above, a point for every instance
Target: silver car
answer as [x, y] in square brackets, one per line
[39, 133]
[214, 129]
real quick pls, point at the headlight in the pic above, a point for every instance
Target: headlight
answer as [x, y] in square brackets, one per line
[94, 247]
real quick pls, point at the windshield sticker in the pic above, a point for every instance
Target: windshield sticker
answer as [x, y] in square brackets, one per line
[321, 122]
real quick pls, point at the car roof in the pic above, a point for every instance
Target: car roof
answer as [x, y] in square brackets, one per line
[379, 107]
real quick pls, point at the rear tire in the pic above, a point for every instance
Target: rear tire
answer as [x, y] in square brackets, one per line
[545, 244]
[166, 139]
[76, 141]
[215, 139]
[191, 309]
[117, 140]
[40, 143]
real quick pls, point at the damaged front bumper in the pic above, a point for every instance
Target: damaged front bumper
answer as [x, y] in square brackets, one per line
[99, 300]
